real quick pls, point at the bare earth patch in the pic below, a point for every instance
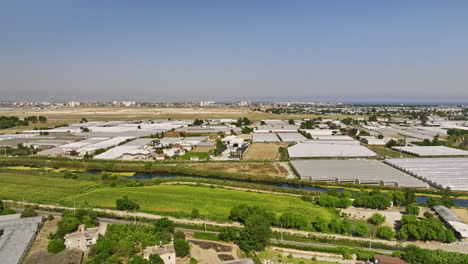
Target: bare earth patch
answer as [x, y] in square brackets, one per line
[264, 151]
[273, 169]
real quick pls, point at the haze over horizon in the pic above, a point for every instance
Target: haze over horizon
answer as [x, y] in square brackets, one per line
[348, 51]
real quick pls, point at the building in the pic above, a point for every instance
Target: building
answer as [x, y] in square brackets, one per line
[84, 237]
[382, 259]
[166, 252]
[16, 236]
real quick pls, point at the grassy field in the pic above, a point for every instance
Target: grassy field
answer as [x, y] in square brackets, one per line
[215, 203]
[263, 151]
[200, 155]
[34, 188]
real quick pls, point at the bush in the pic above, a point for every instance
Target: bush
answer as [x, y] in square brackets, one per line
[56, 245]
[126, 204]
[28, 212]
[385, 232]
[377, 219]
[396, 254]
[228, 233]
[50, 217]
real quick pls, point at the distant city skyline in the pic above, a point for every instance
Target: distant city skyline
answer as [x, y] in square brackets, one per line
[344, 51]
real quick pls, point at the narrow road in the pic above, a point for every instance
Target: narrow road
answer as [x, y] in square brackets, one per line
[433, 245]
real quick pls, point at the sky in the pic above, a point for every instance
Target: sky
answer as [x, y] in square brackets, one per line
[366, 51]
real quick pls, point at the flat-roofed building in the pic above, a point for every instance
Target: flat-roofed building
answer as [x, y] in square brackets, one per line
[358, 171]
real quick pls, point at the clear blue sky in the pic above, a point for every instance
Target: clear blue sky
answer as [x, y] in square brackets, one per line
[192, 50]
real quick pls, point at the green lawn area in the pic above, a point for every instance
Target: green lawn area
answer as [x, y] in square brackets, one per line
[35, 188]
[215, 203]
[200, 155]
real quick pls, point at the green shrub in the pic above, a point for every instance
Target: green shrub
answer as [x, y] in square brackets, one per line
[56, 245]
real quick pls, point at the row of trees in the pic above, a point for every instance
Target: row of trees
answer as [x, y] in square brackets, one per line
[429, 228]
[12, 121]
[416, 255]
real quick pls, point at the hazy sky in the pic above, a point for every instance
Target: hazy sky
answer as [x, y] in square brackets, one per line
[193, 50]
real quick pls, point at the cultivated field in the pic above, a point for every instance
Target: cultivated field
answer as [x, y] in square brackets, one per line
[273, 169]
[264, 151]
[215, 203]
[73, 115]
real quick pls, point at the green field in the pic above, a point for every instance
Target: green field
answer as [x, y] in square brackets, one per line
[34, 188]
[387, 152]
[200, 155]
[215, 203]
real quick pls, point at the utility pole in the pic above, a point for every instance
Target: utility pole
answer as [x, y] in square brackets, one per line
[134, 215]
[74, 207]
[205, 223]
[23, 203]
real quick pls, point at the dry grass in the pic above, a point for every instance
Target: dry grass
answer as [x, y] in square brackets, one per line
[202, 149]
[270, 169]
[264, 151]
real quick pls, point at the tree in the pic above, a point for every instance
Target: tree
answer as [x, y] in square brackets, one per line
[361, 229]
[256, 233]
[56, 245]
[155, 259]
[377, 219]
[227, 234]
[182, 247]
[320, 224]
[412, 209]
[138, 260]
[385, 232]
[28, 212]
[291, 122]
[242, 211]
[293, 219]
[164, 225]
[2, 205]
[126, 204]
[67, 225]
[398, 198]
[42, 119]
[197, 122]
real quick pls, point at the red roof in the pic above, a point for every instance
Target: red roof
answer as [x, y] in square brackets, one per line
[389, 260]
